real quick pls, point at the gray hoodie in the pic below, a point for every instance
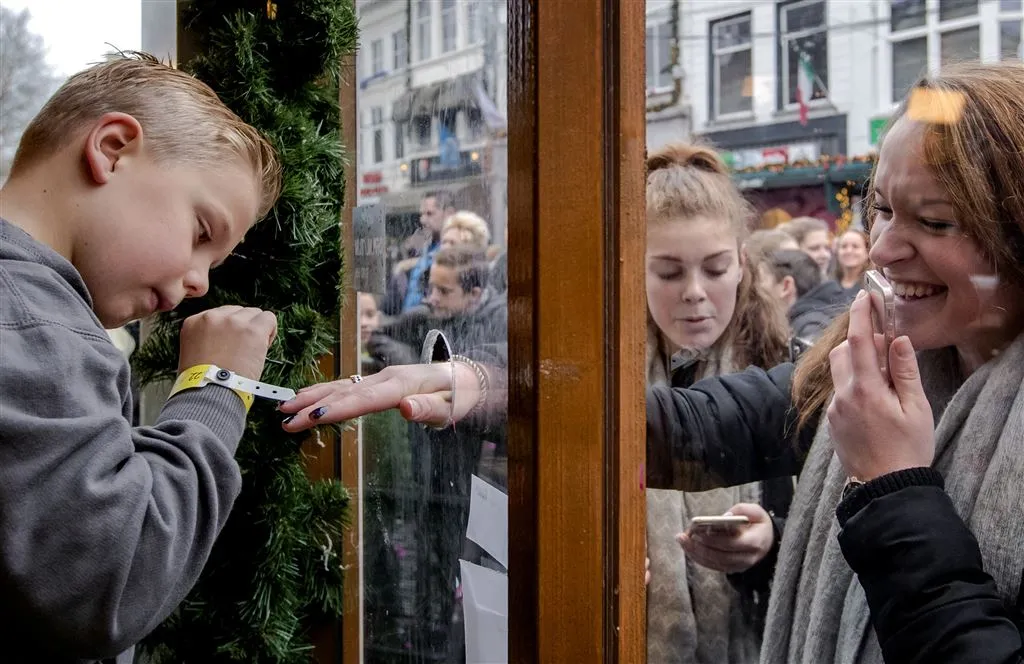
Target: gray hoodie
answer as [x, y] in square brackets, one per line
[104, 528]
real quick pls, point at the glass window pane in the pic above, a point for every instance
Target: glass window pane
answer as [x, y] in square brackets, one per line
[909, 61]
[816, 47]
[415, 482]
[733, 74]
[664, 55]
[1011, 5]
[803, 17]
[652, 58]
[1009, 40]
[906, 14]
[959, 46]
[731, 33]
[449, 32]
[951, 9]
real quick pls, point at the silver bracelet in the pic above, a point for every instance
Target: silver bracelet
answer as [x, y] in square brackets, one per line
[481, 376]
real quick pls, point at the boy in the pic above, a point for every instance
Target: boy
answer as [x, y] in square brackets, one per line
[129, 186]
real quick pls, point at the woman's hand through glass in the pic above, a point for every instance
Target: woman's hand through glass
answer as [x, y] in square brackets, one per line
[421, 392]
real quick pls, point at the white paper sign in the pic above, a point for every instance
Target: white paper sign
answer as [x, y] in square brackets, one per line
[488, 520]
[485, 610]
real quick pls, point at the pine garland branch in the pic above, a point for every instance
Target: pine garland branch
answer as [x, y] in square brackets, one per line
[276, 567]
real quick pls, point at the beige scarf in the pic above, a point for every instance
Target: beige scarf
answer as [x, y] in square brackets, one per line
[818, 613]
[694, 615]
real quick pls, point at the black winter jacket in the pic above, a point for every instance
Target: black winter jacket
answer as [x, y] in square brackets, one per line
[922, 573]
[930, 598]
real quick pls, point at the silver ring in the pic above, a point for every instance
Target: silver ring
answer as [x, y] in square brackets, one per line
[356, 378]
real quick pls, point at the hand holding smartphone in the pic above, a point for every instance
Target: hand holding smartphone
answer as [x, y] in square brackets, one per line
[883, 313]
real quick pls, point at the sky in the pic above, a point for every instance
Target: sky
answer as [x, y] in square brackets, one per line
[79, 32]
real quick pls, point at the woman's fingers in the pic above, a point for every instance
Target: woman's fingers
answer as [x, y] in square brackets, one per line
[860, 337]
[331, 403]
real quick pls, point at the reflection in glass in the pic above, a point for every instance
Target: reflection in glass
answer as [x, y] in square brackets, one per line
[429, 254]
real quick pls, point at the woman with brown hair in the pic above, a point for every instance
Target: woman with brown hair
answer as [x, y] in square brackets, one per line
[706, 317]
[852, 260]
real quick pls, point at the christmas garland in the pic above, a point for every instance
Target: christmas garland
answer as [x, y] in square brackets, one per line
[275, 571]
[825, 161]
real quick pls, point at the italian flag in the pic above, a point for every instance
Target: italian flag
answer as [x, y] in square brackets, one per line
[804, 86]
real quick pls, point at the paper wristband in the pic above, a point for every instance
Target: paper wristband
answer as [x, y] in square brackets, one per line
[247, 389]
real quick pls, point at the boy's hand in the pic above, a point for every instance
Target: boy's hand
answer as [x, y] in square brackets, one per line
[232, 337]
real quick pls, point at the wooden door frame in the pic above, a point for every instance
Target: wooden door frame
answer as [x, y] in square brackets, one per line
[576, 331]
[577, 317]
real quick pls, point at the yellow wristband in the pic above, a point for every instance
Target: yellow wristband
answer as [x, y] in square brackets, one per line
[195, 377]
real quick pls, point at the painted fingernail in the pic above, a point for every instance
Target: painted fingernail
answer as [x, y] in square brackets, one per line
[318, 413]
[288, 419]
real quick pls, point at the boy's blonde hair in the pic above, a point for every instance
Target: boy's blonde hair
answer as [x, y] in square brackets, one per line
[471, 225]
[183, 119]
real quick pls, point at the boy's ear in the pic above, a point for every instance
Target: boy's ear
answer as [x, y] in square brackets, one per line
[112, 138]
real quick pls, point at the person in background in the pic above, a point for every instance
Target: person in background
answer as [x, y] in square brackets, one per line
[795, 280]
[465, 228]
[852, 261]
[763, 242]
[812, 236]
[789, 275]
[407, 280]
[707, 316]
[774, 217]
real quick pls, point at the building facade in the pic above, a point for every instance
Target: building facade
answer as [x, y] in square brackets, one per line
[432, 80]
[741, 60]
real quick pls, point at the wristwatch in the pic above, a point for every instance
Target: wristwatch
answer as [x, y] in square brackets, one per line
[852, 484]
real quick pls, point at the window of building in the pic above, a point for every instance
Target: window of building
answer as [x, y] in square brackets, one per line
[731, 66]
[1011, 15]
[473, 28]
[659, 56]
[950, 10]
[377, 128]
[400, 49]
[928, 35]
[399, 140]
[803, 35]
[376, 56]
[423, 28]
[422, 125]
[449, 26]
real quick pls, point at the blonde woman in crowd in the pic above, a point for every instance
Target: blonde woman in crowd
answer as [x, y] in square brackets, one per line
[707, 316]
[812, 236]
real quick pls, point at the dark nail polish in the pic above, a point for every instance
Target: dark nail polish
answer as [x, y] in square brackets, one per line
[318, 413]
[288, 419]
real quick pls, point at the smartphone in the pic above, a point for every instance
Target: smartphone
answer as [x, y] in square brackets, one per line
[883, 312]
[718, 523]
